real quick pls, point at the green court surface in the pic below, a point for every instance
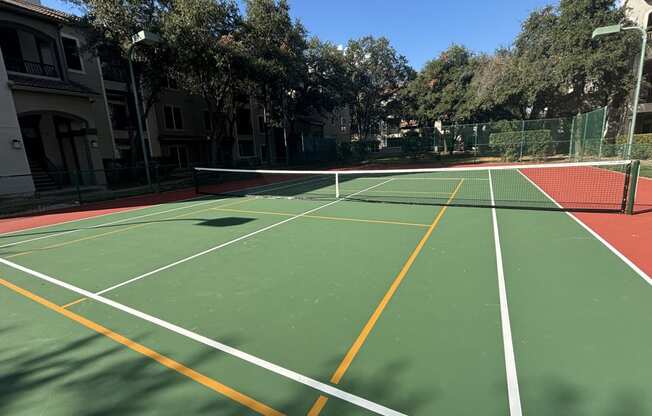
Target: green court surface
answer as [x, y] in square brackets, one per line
[248, 305]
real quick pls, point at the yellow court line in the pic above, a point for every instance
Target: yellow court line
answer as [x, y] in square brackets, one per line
[143, 350]
[93, 237]
[321, 217]
[366, 330]
[80, 300]
[74, 302]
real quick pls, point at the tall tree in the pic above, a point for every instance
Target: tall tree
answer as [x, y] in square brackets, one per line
[376, 75]
[440, 89]
[277, 44]
[560, 70]
[323, 88]
[211, 61]
[111, 24]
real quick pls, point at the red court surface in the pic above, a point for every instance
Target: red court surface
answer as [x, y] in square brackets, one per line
[631, 235]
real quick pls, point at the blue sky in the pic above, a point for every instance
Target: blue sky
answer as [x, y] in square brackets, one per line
[418, 29]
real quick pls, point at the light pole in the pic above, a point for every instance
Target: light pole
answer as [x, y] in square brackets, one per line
[144, 38]
[609, 30]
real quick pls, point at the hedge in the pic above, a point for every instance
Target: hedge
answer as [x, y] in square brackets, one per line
[535, 143]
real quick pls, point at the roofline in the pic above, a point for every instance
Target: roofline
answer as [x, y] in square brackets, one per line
[57, 15]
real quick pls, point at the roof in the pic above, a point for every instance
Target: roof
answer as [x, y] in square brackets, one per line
[50, 84]
[38, 10]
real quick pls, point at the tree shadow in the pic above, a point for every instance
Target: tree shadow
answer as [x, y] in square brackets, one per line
[89, 376]
[384, 386]
[554, 396]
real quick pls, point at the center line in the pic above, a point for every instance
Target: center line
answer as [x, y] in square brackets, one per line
[513, 393]
[228, 243]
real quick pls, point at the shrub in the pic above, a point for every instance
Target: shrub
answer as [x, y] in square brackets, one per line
[642, 147]
[413, 144]
[510, 144]
[344, 151]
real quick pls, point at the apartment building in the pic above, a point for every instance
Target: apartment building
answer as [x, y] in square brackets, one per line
[65, 110]
[53, 116]
[640, 11]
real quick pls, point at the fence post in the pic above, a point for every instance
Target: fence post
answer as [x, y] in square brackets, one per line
[633, 183]
[583, 147]
[604, 131]
[157, 173]
[572, 140]
[78, 186]
[195, 180]
[522, 139]
[475, 138]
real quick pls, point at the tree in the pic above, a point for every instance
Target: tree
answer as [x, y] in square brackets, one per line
[376, 74]
[323, 88]
[277, 44]
[440, 89]
[111, 24]
[210, 60]
[492, 94]
[560, 70]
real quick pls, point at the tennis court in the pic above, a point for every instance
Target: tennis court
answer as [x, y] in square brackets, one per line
[441, 292]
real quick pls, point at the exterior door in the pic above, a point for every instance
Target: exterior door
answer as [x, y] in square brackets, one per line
[29, 128]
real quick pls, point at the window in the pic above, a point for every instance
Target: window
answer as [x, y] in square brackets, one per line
[246, 148]
[261, 124]
[171, 83]
[169, 117]
[119, 118]
[178, 120]
[173, 119]
[244, 121]
[208, 123]
[172, 116]
[71, 52]
[10, 44]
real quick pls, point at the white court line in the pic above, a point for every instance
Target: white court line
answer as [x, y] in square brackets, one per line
[29, 240]
[252, 359]
[228, 243]
[142, 216]
[508, 344]
[422, 179]
[90, 218]
[613, 249]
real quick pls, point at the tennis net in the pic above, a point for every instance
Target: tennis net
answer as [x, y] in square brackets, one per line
[590, 186]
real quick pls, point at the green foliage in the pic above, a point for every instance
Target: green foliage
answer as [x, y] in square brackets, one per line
[376, 74]
[511, 145]
[438, 90]
[559, 68]
[413, 144]
[554, 69]
[642, 147]
[344, 152]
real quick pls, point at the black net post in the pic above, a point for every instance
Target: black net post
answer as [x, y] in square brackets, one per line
[633, 182]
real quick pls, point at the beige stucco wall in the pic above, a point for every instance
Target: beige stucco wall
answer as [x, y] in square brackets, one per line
[12, 161]
[92, 110]
[80, 107]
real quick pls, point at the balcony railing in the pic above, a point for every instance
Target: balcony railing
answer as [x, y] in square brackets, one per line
[114, 73]
[30, 67]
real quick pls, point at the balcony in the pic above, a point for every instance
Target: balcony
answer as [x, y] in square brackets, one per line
[114, 73]
[30, 67]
